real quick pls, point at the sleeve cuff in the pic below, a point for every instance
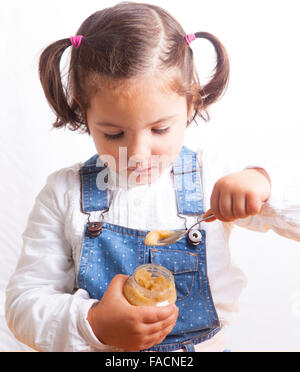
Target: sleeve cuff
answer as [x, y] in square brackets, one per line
[86, 329]
[272, 172]
[283, 200]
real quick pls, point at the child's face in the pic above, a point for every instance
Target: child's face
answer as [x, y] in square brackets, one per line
[138, 126]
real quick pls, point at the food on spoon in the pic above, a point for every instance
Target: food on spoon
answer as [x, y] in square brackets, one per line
[154, 237]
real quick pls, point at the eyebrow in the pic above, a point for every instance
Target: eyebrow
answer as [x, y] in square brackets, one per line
[107, 124]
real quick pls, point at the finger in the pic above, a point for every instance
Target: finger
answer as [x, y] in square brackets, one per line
[152, 314]
[163, 334]
[153, 328]
[207, 214]
[116, 287]
[117, 282]
[253, 205]
[214, 203]
[225, 207]
[157, 338]
[239, 207]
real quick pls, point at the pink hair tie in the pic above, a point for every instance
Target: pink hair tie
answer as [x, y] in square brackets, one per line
[190, 38]
[76, 40]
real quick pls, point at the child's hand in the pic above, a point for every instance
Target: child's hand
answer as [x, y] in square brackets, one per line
[132, 328]
[239, 195]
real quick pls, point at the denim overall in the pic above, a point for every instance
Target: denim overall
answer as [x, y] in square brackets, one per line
[108, 250]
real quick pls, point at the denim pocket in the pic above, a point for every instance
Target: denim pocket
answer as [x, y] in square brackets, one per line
[183, 266]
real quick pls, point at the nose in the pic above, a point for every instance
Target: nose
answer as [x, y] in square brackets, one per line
[139, 152]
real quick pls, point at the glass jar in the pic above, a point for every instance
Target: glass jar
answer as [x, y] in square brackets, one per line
[150, 285]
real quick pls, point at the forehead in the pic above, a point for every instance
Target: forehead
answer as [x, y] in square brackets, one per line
[160, 82]
[146, 95]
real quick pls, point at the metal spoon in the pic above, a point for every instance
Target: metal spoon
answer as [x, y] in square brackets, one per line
[178, 235]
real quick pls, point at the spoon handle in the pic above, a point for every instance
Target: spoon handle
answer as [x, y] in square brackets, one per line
[203, 219]
[182, 233]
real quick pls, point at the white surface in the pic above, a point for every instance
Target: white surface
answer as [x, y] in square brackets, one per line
[260, 106]
[269, 318]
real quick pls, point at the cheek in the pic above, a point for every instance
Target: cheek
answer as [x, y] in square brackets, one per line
[110, 157]
[175, 146]
[176, 139]
[104, 147]
[171, 148]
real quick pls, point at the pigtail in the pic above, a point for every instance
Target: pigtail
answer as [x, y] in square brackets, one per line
[216, 87]
[56, 94]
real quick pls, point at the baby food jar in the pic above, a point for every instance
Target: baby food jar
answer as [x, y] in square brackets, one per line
[150, 285]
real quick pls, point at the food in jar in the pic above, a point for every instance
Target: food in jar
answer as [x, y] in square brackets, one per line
[150, 285]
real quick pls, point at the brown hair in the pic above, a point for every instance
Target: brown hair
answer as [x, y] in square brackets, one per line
[121, 42]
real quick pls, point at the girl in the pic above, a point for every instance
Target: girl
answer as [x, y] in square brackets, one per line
[133, 87]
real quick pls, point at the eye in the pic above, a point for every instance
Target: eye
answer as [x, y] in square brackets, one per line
[119, 135]
[112, 136]
[161, 131]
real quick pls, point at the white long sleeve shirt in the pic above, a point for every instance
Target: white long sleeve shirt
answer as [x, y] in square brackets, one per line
[44, 307]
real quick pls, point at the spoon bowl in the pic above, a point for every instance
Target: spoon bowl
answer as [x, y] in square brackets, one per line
[175, 236]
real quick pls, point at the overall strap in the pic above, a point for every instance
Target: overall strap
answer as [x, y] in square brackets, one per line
[187, 183]
[94, 178]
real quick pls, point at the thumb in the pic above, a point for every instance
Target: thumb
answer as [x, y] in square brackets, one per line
[117, 282]
[207, 214]
[116, 286]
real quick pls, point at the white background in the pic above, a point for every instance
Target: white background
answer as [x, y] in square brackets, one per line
[260, 108]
